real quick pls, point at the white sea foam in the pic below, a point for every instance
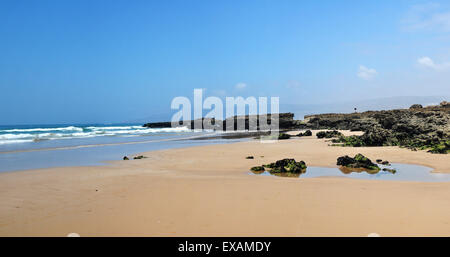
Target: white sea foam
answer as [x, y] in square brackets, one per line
[69, 128]
[15, 136]
[71, 132]
[4, 142]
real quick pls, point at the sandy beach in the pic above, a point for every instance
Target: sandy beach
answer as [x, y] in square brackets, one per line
[207, 191]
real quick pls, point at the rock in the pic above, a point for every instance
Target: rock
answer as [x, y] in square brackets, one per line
[257, 168]
[125, 158]
[378, 160]
[283, 136]
[285, 121]
[416, 106]
[385, 163]
[441, 148]
[445, 104]
[345, 160]
[287, 165]
[359, 161]
[425, 128]
[305, 134]
[393, 171]
[249, 157]
[139, 157]
[328, 134]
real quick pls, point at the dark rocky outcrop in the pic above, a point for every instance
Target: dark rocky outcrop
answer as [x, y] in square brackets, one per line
[380, 161]
[282, 136]
[328, 134]
[249, 157]
[287, 165]
[416, 106]
[285, 120]
[357, 162]
[257, 168]
[426, 128]
[139, 157]
[441, 147]
[307, 133]
[125, 158]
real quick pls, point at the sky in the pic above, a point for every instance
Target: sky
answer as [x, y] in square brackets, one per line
[117, 61]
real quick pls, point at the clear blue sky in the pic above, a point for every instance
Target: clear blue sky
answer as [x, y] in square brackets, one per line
[111, 61]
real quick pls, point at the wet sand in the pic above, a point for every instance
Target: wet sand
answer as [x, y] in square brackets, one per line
[206, 191]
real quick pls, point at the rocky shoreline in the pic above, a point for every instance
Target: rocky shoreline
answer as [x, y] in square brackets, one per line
[417, 128]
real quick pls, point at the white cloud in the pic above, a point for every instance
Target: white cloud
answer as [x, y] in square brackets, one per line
[366, 73]
[429, 16]
[429, 63]
[240, 86]
[426, 61]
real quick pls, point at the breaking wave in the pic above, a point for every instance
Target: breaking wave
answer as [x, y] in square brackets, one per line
[26, 135]
[69, 128]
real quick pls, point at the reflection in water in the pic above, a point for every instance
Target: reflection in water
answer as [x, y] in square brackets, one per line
[347, 170]
[287, 174]
[257, 172]
[280, 174]
[397, 171]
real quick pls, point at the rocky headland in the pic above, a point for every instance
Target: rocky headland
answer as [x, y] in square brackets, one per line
[286, 121]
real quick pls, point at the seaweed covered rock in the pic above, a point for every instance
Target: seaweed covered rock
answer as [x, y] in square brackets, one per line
[305, 134]
[393, 171]
[257, 168]
[354, 141]
[442, 147]
[287, 165]
[283, 136]
[345, 161]
[359, 161]
[328, 134]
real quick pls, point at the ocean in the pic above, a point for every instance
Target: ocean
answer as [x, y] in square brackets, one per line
[25, 147]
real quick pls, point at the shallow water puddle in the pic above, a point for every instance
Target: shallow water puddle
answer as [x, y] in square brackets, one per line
[404, 172]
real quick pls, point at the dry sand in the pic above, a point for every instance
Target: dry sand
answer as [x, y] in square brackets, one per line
[206, 191]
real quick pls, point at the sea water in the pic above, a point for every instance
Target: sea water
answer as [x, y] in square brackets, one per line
[43, 146]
